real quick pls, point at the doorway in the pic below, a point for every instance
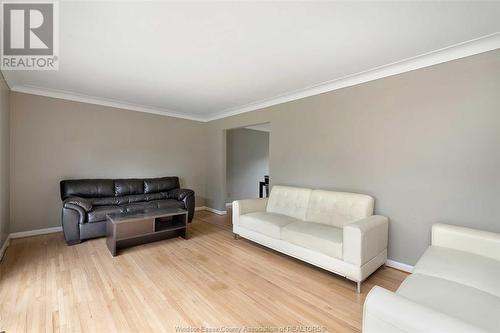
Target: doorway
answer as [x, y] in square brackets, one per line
[247, 162]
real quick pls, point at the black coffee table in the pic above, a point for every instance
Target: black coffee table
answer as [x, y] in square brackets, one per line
[145, 226]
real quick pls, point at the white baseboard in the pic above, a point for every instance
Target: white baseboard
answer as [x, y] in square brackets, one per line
[208, 209]
[44, 231]
[218, 212]
[399, 265]
[51, 230]
[4, 247]
[36, 232]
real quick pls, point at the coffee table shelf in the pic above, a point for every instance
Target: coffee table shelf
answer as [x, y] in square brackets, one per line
[145, 226]
[162, 224]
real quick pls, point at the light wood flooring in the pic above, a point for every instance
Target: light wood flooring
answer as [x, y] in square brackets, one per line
[209, 280]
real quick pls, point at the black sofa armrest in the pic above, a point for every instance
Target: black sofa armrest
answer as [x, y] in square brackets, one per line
[77, 201]
[186, 196]
[74, 213]
[179, 193]
[79, 211]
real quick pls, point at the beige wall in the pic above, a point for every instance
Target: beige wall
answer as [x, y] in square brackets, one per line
[425, 144]
[53, 139]
[4, 160]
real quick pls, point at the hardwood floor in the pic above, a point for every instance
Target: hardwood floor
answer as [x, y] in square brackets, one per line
[209, 280]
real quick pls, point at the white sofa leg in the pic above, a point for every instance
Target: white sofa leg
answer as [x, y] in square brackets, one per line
[236, 236]
[358, 287]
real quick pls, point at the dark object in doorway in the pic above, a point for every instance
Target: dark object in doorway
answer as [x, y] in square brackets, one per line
[262, 185]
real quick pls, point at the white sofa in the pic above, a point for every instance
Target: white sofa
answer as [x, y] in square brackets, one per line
[455, 287]
[336, 231]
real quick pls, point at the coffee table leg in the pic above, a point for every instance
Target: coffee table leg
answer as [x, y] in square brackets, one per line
[111, 238]
[185, 230]
[111, 243]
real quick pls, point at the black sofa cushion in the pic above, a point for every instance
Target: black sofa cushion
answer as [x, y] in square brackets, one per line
[164, 184]
[99, 213]
[128, 187]
[133, 198]
[168, 203]
[156, 196]
[128, 199]
[107, 201]
[161, 204]
[87, 188]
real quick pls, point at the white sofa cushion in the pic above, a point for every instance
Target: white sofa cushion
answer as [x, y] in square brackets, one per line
[479, 242]
[471, 305]
[289, 201]
[314, 236]
[338, 208]
[268, 224]
[462, 267]
[388, 312]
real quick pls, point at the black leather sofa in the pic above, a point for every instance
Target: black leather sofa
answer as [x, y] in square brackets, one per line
[86, 202]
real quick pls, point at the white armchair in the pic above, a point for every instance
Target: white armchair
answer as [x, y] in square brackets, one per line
[454, 287]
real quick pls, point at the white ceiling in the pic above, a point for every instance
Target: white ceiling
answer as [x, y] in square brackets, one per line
[210, 59]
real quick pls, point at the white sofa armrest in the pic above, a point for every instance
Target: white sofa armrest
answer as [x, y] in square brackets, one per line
[474, 241]
[364, 239]
[386, 312]
[241, 207]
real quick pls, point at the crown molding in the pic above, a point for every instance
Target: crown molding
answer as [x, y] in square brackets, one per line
[457, 51]
[71, 96]
[260, 127]
[2, 78]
